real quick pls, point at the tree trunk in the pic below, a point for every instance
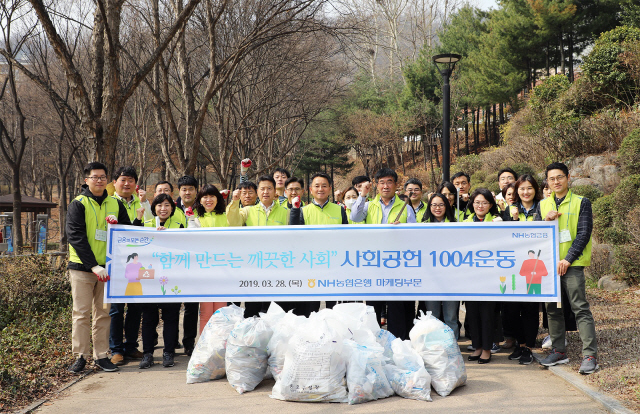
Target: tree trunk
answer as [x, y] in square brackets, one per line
[570, 35]
[478, 130]
[466, 128]
[561, 44]
[495, 125]
[487, 137]
[547, 56]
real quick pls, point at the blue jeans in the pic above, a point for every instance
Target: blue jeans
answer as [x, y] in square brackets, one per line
[450, 309]
[131, 325]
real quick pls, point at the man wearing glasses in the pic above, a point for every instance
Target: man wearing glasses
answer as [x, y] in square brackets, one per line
[575, 222]
[87, 218]
[294, 187]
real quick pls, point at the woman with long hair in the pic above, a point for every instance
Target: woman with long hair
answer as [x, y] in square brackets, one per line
[450, 191]
[439, 210]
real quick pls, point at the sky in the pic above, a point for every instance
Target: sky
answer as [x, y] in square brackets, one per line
[487, 4]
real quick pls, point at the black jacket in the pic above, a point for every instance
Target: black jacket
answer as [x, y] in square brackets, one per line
[76, 229]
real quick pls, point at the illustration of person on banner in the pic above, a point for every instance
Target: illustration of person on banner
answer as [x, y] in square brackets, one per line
[533, 269]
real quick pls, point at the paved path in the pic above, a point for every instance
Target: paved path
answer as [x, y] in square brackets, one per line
[499, 387]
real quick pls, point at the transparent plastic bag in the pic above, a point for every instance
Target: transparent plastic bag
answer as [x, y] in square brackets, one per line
[283, 330]
[246, 357]
[385, 338]
[207, 361]
[409, 384]
[436, 343]
[407, 375]
[314, 366]
[366, 377]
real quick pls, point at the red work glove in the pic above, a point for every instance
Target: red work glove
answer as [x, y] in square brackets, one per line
[111, 219]
[101, 273]
[296, 202]
[246, 163]
[188, 212]
[225, 194]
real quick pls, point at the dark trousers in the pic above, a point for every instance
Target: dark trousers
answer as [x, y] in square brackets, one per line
[523, 319]
[131, 325]
[481, 317]
[380, 307]
[400, 316]
[170, 320]
[254, 308]
[190, 324]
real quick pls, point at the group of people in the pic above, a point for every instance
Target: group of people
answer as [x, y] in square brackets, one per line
[275, 200]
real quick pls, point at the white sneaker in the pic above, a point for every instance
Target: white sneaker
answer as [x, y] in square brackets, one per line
[546, 342]
[470, 348]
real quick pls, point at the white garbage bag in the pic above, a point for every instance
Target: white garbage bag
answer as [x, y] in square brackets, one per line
[207, 361]
[314, 366]
[385, 338]
[283, 330]
[246, 357]
[436, 343]
[358, 316]
[366, 377]
[407, 374]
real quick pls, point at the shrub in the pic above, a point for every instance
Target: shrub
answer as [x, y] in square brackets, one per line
[522, 168]
[625, 196]
[548, 91]
[602, 217]
[603, 65]
[467, 163]
[627, 266]
[589, 191]
[629, 153]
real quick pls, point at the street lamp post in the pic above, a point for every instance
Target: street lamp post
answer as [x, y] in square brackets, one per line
[445, 64]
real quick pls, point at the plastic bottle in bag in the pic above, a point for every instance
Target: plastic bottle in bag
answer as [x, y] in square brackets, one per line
[207, 361]
[246, 356]
[366, 377]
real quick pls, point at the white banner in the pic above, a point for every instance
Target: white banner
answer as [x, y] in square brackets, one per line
[458, 261]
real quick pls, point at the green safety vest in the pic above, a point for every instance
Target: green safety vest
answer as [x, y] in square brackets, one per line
[374, 212]
[330, 214]
[349, 218]
[94, 219]
[570, 209]
[213, 220]
[459, 215]
[131, 209]
[420, 214]
[487, 218]
[180, 217]
[256, 216]
[171, 223]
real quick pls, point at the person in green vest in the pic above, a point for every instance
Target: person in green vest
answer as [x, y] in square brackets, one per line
[350, 197]
[449, 190]
[506, 176]
[248, 193]
[320, 211]
[280, 176]
[208, 211]
[387, 208]
[161, 187]
[294, 187]
[484, 208]
[462, 182]
[86, 227]
[520, 320]
[268, 212]
[124, 182]
[439, 210]
[164, 209]
[575, 222]
[413, 189]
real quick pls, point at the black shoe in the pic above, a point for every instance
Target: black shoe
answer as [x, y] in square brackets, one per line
[106, 365]
[527, 357]
[516, 354]
[167, 359]
[147, 361]
[473, 357]
[178, 345]
[188, 351]
[484, 361]
[78, 366]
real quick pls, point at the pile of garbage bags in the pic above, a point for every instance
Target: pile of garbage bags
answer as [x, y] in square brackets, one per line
[335, 355]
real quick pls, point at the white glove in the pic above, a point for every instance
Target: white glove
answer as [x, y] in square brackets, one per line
[101, 273]
[497, 219]
[193, 223]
